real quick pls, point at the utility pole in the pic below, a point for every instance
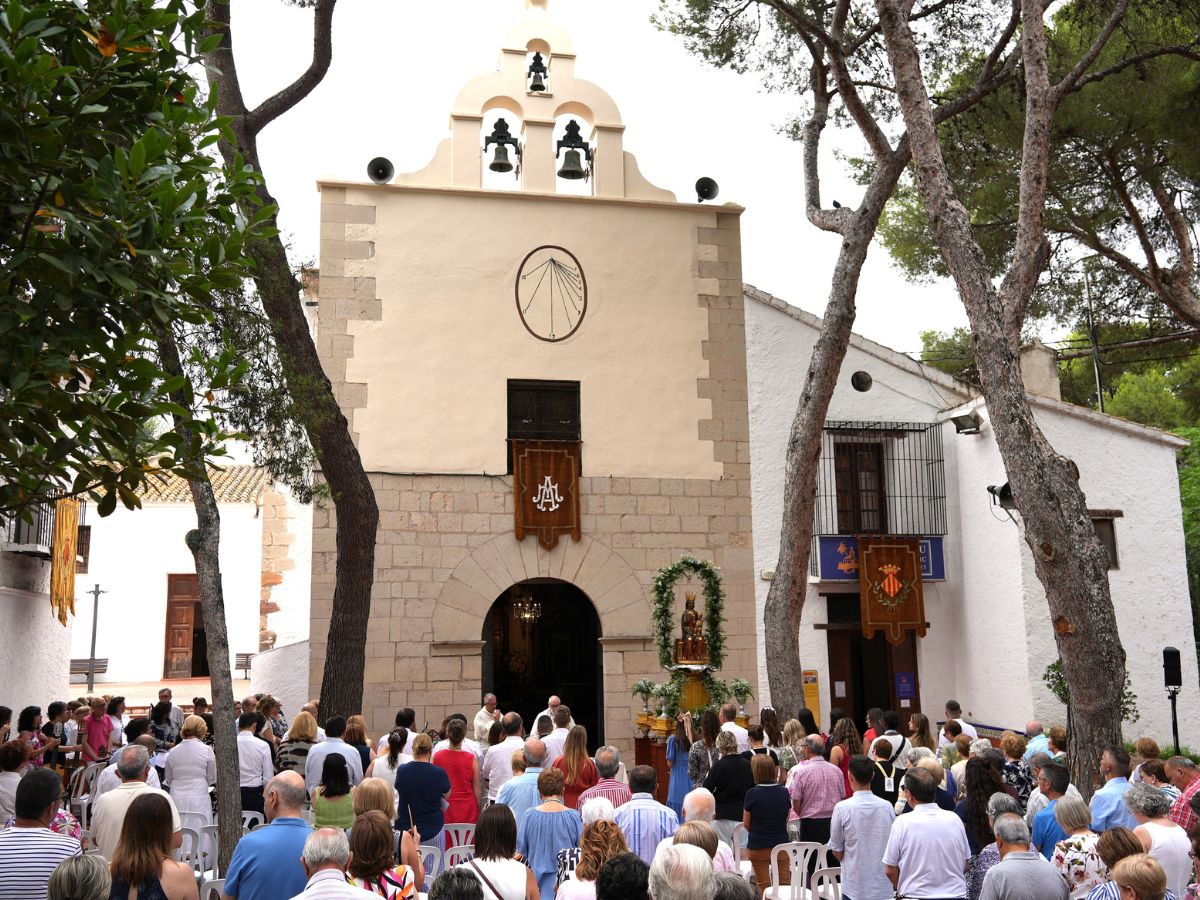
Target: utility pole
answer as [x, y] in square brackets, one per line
[95, 592]
[1087, 286]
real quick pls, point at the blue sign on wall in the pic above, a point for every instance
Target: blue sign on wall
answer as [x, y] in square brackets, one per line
[837, 558]
[906, 685]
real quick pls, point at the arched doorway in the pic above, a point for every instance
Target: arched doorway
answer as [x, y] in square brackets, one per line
[554, 648]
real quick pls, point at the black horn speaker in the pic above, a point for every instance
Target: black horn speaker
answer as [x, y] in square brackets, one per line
[706, 189]
[1172, 672]
[380, 170]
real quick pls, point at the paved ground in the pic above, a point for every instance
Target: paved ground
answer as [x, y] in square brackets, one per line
[145, 693]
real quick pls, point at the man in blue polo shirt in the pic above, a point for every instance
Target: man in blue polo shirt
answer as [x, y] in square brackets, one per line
[266, 863]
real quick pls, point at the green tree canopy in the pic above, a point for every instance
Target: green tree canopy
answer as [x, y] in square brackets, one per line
[114, 219]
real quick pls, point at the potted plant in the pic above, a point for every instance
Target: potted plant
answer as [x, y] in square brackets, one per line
[742, 691]
[644, 688]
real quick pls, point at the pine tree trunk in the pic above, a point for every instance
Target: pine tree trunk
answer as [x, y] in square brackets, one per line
[789, 588]
[204, 542]
[1068, 557]
[328, 431]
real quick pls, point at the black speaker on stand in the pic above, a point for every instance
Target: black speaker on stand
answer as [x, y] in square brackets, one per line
[1173, 679]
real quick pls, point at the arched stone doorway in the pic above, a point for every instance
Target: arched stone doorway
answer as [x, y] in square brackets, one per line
[557, 652]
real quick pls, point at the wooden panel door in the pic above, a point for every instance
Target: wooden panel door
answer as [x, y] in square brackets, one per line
[182, 595]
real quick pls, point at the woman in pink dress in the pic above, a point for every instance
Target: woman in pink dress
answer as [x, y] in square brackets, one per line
[466, 786]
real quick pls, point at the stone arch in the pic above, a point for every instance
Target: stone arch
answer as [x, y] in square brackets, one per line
[503, 101]
[492, 568]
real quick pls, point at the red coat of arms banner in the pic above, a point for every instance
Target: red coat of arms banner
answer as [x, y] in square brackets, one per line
[546, 490]
[890, 595]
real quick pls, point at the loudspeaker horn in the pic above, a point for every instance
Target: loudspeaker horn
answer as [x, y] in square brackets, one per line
[380, 170]
[706, 189]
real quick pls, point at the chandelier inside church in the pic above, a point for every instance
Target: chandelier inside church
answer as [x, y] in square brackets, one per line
[526, 609]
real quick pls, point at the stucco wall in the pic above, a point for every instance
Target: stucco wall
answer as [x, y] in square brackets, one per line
[132, 552]
[283, 673]
[426, 285]
[34, 647]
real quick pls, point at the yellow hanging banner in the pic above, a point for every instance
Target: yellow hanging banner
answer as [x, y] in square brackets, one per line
[62, 558]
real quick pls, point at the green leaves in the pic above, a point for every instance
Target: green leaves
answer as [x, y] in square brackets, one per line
[106, 197]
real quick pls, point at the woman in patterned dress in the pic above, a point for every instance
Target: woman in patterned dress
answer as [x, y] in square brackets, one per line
[1075, 856]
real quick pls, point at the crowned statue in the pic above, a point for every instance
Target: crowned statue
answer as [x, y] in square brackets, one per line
[691, 649]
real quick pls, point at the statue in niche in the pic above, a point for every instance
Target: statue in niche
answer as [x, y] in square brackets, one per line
[691, 649]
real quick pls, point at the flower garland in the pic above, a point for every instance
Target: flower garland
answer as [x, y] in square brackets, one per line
[664, 609]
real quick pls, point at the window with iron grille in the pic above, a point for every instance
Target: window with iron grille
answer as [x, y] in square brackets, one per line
[881, 478]
[542, 410]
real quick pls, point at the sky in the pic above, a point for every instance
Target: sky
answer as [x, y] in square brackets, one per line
[398, 64]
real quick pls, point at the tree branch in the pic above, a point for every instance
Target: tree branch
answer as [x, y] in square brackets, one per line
[1110, 165]
[275, 106]
[1185, 50]
[1065, 86]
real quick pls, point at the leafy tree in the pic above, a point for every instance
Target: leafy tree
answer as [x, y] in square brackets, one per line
[896, 64]
[950, 352]
[1146, 397]
[112, 217]
[1123, 178]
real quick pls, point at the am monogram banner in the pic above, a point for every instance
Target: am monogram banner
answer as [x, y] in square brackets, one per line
[546, 490]
[890, 595]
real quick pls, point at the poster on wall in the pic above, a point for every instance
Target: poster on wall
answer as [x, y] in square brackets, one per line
[812, 694]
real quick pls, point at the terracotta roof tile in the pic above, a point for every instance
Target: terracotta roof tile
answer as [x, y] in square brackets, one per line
[231, 484]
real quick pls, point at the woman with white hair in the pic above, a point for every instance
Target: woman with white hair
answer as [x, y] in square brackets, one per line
[1165, 841]
[597, 809]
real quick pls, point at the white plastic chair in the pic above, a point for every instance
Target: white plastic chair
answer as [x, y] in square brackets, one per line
[745, 867]
[458, 834]
[210, 867]
[825, 884]
[796, 855]
[459, 854]
[250, 818]
[431, 860]
[190, 851]
[213, 890]
[81, 788]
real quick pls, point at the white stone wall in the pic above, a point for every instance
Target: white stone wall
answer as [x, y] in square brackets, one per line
[132, 552]
[283, 673]
[34, 647]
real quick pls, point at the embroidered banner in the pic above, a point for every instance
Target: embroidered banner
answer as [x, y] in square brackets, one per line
[890, 594]
[546, 489]
[62, 558]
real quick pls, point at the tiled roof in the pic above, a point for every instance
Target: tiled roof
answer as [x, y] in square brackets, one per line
[231, 484]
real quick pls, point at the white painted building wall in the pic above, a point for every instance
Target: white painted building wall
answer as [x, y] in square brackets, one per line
[294, 594]
[990, 637]
[282, 672]
[33, 645]
[132, 553]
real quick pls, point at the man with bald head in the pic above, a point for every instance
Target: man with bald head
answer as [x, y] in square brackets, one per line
[1035, 739]
[312, 707]
[521, 793]
[266, 863]
[497, 761]
[552, 706]
[109, 779]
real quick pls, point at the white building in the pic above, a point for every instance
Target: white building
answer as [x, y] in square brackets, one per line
[150, 623]
[34, 647]
[989, 636]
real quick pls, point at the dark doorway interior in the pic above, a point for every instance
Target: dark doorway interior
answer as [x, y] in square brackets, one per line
[869, 671]
[558, 652]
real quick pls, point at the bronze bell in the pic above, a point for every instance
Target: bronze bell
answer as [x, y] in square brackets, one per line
[536, 84]
[572, 168]
[500, 162]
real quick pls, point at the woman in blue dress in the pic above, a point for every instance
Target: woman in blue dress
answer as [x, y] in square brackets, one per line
[678, 746]
[548, 828]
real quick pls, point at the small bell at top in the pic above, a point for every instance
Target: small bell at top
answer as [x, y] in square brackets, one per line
[537, 74]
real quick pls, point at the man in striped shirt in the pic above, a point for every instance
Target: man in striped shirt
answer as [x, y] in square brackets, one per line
[643, 819]
[608, 763]
[1184, 774]
[30, 851]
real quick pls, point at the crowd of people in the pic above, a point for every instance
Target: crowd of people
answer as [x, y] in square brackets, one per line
[899, 811]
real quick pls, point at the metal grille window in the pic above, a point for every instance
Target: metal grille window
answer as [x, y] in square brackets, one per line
[881, 478]
[31, 533]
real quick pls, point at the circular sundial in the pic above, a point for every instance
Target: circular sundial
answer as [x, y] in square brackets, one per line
[551, 293]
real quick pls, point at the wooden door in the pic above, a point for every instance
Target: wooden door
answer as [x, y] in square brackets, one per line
[182, 596]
